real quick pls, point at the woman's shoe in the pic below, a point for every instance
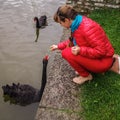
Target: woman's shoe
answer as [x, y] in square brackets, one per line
[80, 80]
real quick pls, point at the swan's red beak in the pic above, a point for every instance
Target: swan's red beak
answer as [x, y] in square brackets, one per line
[46, 57]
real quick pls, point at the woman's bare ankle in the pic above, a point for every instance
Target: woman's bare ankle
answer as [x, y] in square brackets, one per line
[115, 67]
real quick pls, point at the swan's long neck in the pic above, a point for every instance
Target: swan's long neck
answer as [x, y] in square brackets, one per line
[37, 23]
[43, 82]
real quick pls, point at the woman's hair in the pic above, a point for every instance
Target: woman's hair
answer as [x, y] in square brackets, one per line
[65, 11]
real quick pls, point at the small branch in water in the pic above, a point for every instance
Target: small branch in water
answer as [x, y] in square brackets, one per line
[37, 34]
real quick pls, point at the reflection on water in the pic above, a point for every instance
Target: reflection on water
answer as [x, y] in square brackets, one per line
[20, 56]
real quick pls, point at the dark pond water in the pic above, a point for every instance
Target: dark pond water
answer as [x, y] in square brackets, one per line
[20, 56]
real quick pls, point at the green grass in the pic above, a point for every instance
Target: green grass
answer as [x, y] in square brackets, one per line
[100, 98]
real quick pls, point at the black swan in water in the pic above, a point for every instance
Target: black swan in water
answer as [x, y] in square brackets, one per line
[24, 94]
[40, 23]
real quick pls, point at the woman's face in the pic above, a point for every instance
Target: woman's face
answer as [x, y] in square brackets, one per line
[67, 23]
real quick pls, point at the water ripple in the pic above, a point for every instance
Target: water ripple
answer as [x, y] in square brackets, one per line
[20, 56]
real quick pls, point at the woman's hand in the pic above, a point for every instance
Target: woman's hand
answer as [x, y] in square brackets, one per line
[75, 50]
[53, 47]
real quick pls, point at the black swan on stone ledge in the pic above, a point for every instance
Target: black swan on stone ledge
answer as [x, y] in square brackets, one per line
[23, 94]
[40, 23]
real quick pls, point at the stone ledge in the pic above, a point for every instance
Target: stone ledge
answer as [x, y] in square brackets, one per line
[60, 100]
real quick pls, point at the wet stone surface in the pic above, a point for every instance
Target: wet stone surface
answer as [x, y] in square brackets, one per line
[60, 100]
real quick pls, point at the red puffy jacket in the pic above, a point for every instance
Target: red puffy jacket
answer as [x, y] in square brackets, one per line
[91, 39]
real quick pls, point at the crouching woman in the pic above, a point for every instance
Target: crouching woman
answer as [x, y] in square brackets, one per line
[88, 50]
